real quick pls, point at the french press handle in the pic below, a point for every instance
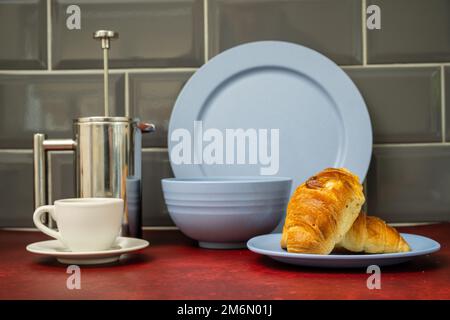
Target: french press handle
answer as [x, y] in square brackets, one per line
[40, 147]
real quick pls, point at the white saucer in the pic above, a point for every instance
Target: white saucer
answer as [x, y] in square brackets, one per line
[56, 249]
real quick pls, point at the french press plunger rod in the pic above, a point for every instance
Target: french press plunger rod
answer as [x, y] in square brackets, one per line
[105, 36]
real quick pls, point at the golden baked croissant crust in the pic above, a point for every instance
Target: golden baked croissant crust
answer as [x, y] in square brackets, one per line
[321, 211]
[372, 235]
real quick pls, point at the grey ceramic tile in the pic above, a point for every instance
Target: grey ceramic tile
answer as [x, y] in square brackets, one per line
[404, 103]
[411, 31]
[152, 33]
[328, 26]
[410, 184]
[155, 166]
[48, 104]
[62, 182]
[23, 34]
[447, 101]
[152, 97]
[16, 189]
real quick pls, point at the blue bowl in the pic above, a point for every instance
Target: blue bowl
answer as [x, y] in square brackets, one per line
[225, 212]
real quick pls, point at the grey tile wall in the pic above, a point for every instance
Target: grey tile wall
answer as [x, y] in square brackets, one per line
[16, 189]
[410, 183]
[411, 31]
[328, 26]
[62, 182]
[23, 34]
[447, 101]
[407, 180]
[152, 33]
[155, 166]
[392, 93]
[152, 96]
[48, 104]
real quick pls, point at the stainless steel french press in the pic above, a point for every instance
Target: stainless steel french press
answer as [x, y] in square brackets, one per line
[107, 152]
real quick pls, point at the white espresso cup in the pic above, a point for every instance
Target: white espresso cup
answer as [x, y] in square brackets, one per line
[84, 224]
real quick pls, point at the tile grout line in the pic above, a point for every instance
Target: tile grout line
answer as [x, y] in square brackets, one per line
[366, 194]
[49, 36]
[443, 123]
[410, 224]
[60, 151]
[413, 144]
[28, 151]
[17, 151]
[49, 178]
[160, 228]
[193, 69]
[157, 149]
[127, 94]
[98, 71]
[205, 30]
[397, 65]
[364, 32]
[154, 149]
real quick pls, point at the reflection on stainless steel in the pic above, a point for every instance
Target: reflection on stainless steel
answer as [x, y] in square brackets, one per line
[59, 144]
[104, 157]
[107, 153]
[146, 127]
[40, 187]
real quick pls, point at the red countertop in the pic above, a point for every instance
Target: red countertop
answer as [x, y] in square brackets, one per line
[173, 267]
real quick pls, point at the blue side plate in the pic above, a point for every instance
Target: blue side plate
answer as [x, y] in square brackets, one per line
[269, 245]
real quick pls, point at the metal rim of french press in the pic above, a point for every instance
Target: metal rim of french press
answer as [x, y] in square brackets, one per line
[103, 119]
[143, 126]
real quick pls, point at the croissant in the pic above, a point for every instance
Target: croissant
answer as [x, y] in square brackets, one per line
[372, 235]
[321, 211]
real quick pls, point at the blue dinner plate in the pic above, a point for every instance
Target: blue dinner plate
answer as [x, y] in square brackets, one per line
[321, 117]
[269, 245]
